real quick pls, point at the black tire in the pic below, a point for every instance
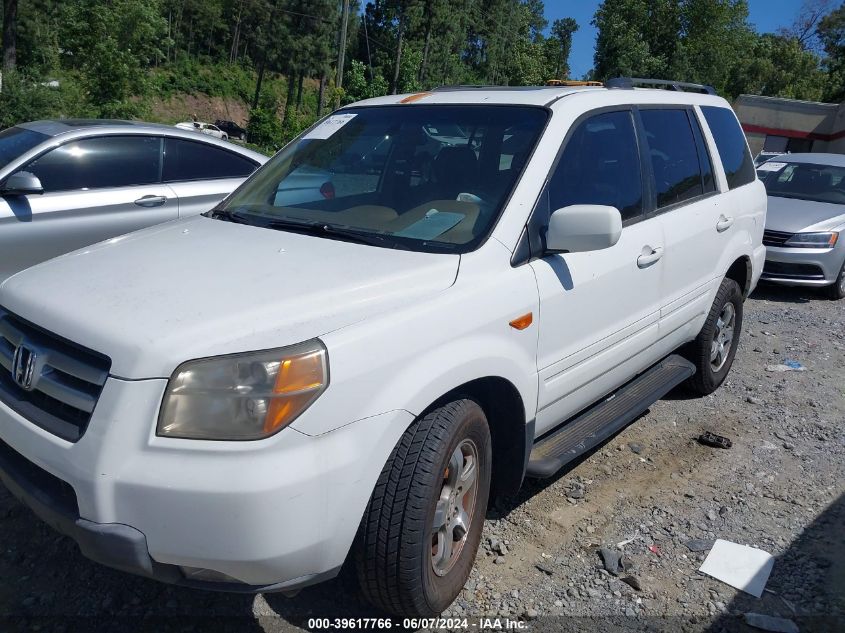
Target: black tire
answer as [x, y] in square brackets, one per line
[394, 553]
[709, 374]
[836, 290]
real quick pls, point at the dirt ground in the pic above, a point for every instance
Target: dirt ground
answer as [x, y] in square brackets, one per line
[779, 488]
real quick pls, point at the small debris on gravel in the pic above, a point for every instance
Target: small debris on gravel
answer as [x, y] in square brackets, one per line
[635, 448]
[770, 623]
[699, 545]
[716, 441]
[545, 569]
[633, 582]
[613, 561]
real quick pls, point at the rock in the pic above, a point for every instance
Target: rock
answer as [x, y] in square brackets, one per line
[499, 560]
[531, 613]
[545, 569]
[632, 582]
[711, 515]
[699, 545]
[753, 400]
[770, 623]
[635, 448]
[613, 561]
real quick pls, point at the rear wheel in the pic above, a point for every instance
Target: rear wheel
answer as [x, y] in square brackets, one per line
[837, 289]
[420, 533]
[712, 352]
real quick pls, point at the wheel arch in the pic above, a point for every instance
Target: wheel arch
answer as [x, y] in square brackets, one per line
[741, 272]
[511, 434]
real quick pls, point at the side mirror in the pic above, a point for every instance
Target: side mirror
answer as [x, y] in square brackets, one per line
[21, 183]
[583, 227]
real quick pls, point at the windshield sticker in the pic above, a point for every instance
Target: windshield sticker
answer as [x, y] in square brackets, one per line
[329, 126]
[770, 166]
[434, 223]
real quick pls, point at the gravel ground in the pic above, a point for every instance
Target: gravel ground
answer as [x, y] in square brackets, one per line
[779, 488]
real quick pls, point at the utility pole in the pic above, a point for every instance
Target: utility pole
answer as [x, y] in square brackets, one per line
[342, 51]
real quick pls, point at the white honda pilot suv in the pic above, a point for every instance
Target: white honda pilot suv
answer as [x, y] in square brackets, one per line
[486, 284]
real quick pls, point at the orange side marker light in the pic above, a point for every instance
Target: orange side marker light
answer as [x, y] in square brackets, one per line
[522, 322]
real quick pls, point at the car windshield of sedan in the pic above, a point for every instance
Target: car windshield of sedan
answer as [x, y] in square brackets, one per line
[16, 141]
[430, 178]
[805, 181]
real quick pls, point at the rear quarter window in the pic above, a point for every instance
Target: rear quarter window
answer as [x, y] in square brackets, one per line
[730, 141]
[193, 160]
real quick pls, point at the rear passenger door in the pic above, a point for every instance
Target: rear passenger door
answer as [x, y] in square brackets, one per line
[599, 310]
[685, 204]
[202, 174]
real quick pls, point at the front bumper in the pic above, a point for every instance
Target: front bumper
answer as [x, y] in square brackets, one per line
[276, 514]
[803, 266]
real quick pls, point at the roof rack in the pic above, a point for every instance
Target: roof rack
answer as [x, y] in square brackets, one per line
[628, 83]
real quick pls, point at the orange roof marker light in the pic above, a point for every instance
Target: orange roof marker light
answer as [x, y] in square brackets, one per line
[414, 97]
[522, 322]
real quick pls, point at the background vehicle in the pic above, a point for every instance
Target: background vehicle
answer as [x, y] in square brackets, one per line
[70, 183]
[232, 129]
[762, 157]
[457, 316]
[806, 218]
[203, 128]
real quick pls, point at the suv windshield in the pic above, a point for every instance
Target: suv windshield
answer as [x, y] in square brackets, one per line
[429, 178]
[16, 141]
[806, 181]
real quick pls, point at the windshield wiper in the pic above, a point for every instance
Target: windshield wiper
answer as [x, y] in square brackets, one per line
[323, 229]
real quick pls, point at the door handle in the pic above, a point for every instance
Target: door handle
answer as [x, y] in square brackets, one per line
[724, 223]
[151, 201]
[643, 261]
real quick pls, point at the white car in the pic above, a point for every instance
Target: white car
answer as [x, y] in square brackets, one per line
[240, 400]
[203, 128]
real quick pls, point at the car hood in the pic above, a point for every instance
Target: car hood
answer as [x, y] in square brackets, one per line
[792, 215]
[201, 287]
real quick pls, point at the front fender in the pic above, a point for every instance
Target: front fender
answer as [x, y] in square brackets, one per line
[409, 358]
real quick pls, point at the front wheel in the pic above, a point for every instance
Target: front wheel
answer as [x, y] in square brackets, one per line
[713, 350]
[836, 290]
[420, 533]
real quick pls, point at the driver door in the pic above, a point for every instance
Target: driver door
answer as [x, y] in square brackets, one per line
[599, 310]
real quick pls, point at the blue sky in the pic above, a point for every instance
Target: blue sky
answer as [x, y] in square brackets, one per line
[766, 15]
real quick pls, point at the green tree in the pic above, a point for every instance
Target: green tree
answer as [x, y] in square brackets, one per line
[112, 45]
[831, 34]
[558, 46]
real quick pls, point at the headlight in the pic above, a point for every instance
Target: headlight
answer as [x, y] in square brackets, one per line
[813, 240]
[243, 396]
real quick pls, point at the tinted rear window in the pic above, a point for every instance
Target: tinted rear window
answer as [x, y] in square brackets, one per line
[191, 160]
[16, 141]
[730, 141]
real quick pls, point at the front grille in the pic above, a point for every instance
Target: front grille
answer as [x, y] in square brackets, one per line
[64, 379]
[49, 489]
[783, 270]
[775, 238]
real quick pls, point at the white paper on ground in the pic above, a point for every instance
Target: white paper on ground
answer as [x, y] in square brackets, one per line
[331, 125]
[740, 566]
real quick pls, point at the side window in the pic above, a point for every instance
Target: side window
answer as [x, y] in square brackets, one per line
[600, 165]
[96, 163]
[730, 141]
[674, 155]
[192, 160]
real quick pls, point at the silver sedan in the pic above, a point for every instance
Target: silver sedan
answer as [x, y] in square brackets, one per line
[67, 184]
[805, 226]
